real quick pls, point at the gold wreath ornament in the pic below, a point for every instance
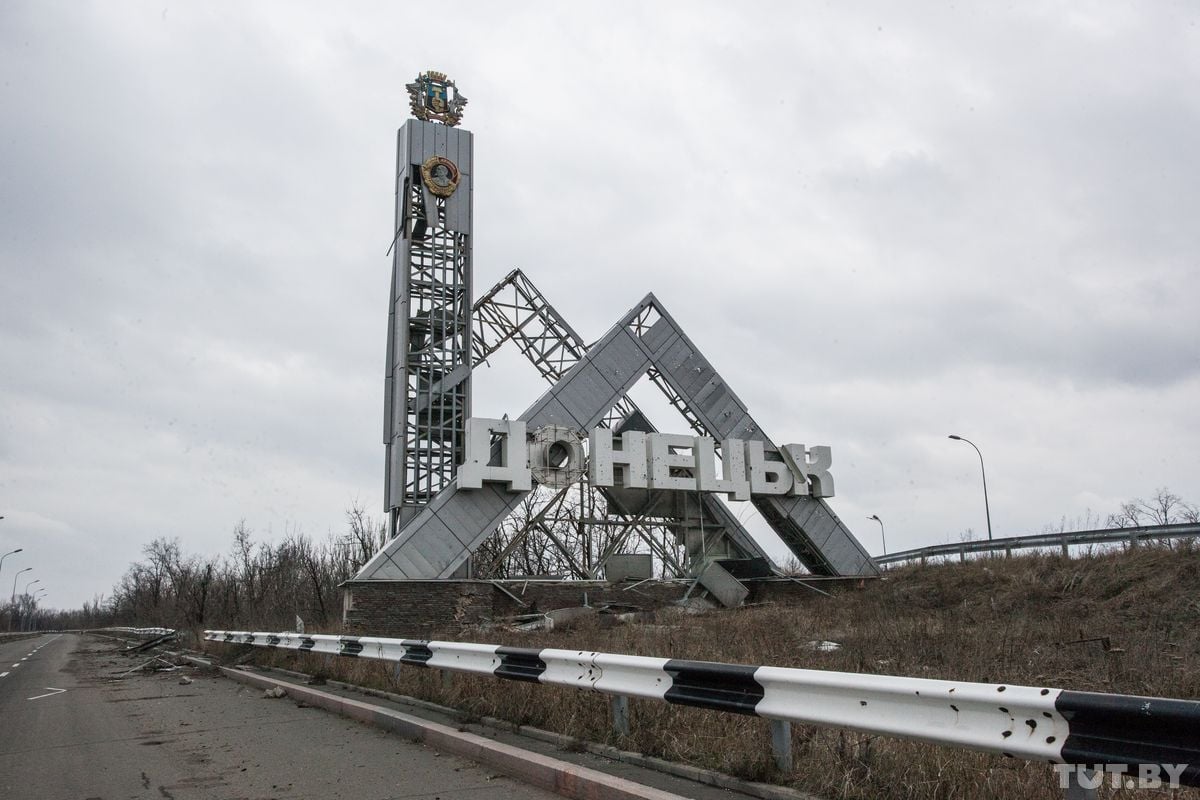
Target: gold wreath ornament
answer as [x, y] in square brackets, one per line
[440, 176]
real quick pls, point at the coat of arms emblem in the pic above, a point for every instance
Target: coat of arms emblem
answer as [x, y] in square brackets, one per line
[435, 98]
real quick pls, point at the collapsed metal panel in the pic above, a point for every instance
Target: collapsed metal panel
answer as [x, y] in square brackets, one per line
[646, 338]
[807, 525]
[428, 369]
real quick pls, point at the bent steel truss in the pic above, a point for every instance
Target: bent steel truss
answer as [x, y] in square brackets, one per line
[514, 310]
[647, 340]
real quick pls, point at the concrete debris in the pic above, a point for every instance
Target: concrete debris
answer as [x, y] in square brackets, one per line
[538, 623]
[275, 693]
[566, 617]
[696, 605]
[617, 608]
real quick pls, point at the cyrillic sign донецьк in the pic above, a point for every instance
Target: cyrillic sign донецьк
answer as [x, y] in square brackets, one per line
[645, 460]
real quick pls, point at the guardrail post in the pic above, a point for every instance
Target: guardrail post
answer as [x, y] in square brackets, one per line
[781, 744]
[1077, 790]
[619, 705]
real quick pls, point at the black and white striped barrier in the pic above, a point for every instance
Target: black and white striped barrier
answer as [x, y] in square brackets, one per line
[142, 631]
[1038, 724]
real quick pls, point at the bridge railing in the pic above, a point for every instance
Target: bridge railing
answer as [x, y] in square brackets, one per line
[1064, 541]
[1117, 733]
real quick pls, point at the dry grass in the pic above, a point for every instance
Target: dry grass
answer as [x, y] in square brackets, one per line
[991, 620]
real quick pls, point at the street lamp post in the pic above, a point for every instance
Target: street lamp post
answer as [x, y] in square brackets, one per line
[882, 535]
[13, 598]
[9, 553]
[983, 472]
[31, 583]
[27, 623]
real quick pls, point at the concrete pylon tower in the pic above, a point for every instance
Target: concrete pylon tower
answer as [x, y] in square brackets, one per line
[427, 388]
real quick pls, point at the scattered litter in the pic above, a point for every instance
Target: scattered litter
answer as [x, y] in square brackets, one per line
[184, 680]
[1105, 643]
[822, 646]
[275, 693]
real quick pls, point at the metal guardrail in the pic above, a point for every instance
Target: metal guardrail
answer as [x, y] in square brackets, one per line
[142, 631]
[1062, 540]
[1034, 723]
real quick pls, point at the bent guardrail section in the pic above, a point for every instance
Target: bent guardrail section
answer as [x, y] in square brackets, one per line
[1035, 723]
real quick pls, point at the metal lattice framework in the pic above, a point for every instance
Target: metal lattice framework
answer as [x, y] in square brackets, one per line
[439, 336]
[516, 311]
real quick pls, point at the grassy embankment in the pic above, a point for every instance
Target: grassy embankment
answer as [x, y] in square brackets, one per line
[993, 620]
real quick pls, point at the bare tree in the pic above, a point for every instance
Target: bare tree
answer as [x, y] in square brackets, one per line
[1164, 508]
[366, 535]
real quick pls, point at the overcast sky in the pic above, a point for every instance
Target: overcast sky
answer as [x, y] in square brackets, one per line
[882, 224]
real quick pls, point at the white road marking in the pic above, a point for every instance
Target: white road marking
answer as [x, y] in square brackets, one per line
[50, 693]
[2, 674]
[16, 665]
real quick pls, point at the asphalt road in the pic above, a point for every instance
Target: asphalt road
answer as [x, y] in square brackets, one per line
[75, 724]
